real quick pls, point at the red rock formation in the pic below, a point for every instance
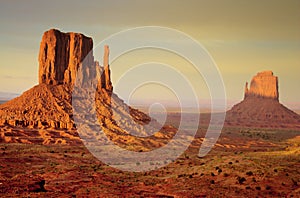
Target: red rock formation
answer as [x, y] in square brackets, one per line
[261, 107]
[264, 85]
[65, 59]
[107, 81]
[61, 55]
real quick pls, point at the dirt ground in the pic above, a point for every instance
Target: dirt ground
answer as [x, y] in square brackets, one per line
[243, 163]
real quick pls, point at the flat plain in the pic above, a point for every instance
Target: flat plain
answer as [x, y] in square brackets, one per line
[245, 162]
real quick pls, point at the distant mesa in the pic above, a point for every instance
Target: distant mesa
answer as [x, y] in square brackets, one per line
[261, 106]
[66, 59]
[5, 96]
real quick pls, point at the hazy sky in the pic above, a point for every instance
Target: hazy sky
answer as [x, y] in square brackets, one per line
[243, 37]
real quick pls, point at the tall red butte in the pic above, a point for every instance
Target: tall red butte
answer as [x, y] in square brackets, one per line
[44, 113]
[261, 107]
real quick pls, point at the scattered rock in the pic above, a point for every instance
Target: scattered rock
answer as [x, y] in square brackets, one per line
[24, 183]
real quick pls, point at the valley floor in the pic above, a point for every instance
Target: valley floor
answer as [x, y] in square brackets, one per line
[244, 163]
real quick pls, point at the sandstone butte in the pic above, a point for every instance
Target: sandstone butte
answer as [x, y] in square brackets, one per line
[263, 85]
[261, 106]
[44, 113]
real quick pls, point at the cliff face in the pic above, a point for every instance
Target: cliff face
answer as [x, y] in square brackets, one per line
[61, 55]
[263, 85]
[68, 57]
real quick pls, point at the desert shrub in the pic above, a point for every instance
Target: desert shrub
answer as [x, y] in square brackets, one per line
[212, 174]
[226, 174]
[212, 181]
[181, 175]
[241, 180]
[268, 187]
[295, 183]
[258, 188]
[249, 173]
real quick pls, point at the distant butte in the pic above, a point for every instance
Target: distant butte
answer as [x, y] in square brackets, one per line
[261, 106]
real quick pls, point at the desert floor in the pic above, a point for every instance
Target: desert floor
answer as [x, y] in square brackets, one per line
[244, 163]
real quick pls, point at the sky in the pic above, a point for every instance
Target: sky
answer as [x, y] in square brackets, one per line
[243, 37]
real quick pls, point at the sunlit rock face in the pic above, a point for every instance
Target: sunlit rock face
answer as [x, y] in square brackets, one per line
[263, 85]
[61, 54]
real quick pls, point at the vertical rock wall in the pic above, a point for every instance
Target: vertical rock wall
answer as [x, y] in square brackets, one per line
[264, 85]
[61, 55]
